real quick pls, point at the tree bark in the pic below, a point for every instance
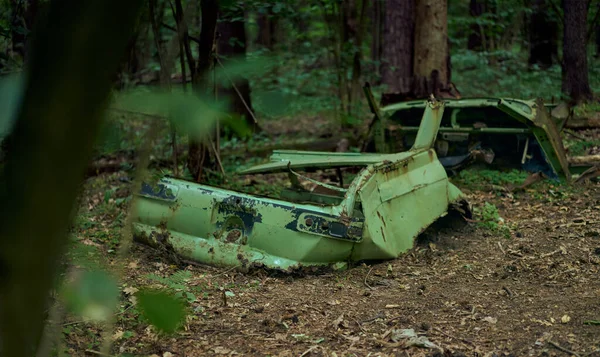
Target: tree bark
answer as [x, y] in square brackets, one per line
[575, 78]
[377, 20]
[232, 45]
[543, 35]
[22, 20]
[267, 30]
[199, 152]
[431, 56]
[397, 59]
[477, 36]
[598, 37]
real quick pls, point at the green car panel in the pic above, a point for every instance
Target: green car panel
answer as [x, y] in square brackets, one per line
[378, 216]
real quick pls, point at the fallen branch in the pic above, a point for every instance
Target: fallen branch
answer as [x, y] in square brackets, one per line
[584, 160]
[367, 277]
[565, 350]
[590, 173]
[454, 337]
[589, 123]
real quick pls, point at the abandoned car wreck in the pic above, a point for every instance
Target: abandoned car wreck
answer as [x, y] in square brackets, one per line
[377, 216]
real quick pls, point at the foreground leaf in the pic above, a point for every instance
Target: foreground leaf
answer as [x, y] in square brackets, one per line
[161, 309]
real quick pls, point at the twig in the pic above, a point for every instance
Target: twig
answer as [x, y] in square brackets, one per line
[367, 277]
[237, 91]
[169, 27]
[98, 353]
[360, 326]
[559, 347]
[75, 322]
[308, 350]
[501, 249]
[454, 337]
[379, 315]
[591, 353]
[508, 292]
[573, 134]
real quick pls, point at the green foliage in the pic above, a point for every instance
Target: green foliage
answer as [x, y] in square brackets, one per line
[177, 282]
[163, 310]
[481, 177]
[489, 218]
[93, 295]
[580, 147]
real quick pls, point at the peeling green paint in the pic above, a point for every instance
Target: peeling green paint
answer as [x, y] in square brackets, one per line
[392, 199]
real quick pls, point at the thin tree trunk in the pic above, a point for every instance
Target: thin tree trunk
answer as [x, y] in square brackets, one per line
[267, 30]
[598, 36]
[377, 19]
[360, 24]
[543, 35]
[199, 152]
[431, 57]
[476, 36]
[575, 64]
[397, 60]
[232, 46]
[23, 17]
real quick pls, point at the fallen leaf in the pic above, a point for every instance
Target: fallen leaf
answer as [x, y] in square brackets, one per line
[168, 354]
[490, 319]
[338, 321]
[410, 338]
[565, 319]
[130, 290]
[118, 335]
[221, 350]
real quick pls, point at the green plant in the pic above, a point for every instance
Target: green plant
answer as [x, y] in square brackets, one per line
[177, 283]
[480, 177]
[489, 218]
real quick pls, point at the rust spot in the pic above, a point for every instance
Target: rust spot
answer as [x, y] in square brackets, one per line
[233, 236]
[242, 260]
[382, 219]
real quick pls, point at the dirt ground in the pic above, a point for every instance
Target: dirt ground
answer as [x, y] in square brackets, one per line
[470, 291]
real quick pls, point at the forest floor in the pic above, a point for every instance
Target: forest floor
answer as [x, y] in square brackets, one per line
[522, 280]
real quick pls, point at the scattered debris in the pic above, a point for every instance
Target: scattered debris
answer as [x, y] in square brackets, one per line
[409, 338]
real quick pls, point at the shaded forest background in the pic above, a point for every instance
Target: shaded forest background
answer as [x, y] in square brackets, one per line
[283, 59]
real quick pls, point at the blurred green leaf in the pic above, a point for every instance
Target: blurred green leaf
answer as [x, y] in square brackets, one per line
[92, 295]
[188, 112]
[233, 68]
[161, 309]
[12, 88]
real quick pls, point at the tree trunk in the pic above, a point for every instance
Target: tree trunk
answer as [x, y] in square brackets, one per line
[575, 64]
[377, 20]
[22, 18]
[397, 60]
[598, 36]
[199, 152]
[267, 30]
[543, 35]
[431, 56]
[476, 36]
[232, 44]
[357, 23]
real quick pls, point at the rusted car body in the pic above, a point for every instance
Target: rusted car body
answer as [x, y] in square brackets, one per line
[509, 132]
[392, 199]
